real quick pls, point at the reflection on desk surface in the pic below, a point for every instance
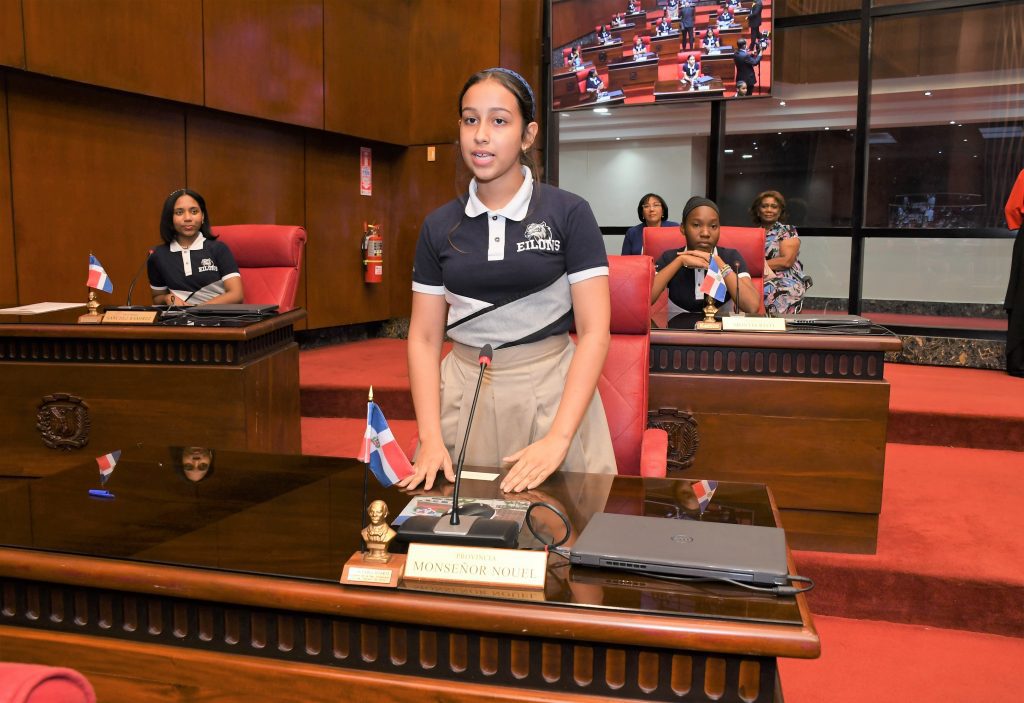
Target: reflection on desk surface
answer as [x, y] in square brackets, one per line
[299, 517]
[795, 324]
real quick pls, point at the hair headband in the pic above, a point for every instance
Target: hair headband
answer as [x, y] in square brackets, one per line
[529, 90]
[696, 202]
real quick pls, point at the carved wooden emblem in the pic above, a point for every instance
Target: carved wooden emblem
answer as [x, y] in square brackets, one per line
[683, 437]
[63, 421]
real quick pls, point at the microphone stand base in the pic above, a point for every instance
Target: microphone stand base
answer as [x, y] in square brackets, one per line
[471, 532]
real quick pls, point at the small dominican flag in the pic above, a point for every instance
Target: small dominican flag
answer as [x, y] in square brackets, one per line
[107, 462]
[704, 490]
[714, 284]
[98, 278]
[380, 450]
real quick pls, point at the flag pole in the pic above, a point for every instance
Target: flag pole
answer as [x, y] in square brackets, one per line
[366, 468]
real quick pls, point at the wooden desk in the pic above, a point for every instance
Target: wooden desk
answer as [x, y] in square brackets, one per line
[603, 54]
[667, 46]
[91, 389]
[669, 91]
[632, 73]
[227, 590]
[805, 413]
[719, 65]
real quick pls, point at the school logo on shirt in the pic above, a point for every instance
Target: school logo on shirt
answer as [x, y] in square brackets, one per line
[538, 238]
[207, 265]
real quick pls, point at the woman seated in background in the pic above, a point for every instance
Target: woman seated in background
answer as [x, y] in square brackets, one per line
[691, 71]
[784, 286]
[574, 59]
[191, 267]
[594, 83]
[682, 271]
[664, 26]
[652, 211]
[604, 36]
[725, 17]
[710, 40]
[639, 48]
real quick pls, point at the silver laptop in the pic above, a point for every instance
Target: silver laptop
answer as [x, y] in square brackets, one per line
[827, 321]
[232, 309]
[671, 547]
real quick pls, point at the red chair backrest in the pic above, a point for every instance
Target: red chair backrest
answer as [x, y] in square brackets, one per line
[269, 257]
[748, 241]
[624, 378]
[684, 56]
[581, 80]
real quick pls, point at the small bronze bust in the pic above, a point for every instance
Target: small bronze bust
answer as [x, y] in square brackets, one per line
[378, 534]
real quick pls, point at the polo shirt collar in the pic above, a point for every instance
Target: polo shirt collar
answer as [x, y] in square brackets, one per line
[197, 244]
[516, 208]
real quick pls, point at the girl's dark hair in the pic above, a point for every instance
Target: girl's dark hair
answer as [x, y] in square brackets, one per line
[640, 207]
[756, 217]
[167, 231]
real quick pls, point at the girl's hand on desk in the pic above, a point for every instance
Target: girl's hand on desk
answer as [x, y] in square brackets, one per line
[532, 465]
[433, 456]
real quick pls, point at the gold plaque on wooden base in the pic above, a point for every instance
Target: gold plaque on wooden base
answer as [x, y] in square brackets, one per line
[130, 317]
[362, 572]
[90, 319]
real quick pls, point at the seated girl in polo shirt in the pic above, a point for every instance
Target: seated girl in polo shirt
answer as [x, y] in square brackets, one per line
[511, 264]
[191, 267]
[682, 270]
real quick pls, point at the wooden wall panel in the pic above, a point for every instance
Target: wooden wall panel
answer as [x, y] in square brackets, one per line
[265, 58]
[8, 274]
[422, 186]
[12, 38]
[249, 171]
[335, 214]
[521, 49]
[153, 47]
[90, 171]
[366, 69]
[571, 19]
[448, 43]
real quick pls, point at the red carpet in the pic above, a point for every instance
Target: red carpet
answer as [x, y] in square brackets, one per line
[882, 662]
[950, 545]
[955, 407]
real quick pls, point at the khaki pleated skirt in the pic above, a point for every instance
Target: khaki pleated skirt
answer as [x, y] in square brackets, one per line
[518, 401]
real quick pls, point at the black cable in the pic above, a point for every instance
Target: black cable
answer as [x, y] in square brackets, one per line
[774, 590]
[549, 546]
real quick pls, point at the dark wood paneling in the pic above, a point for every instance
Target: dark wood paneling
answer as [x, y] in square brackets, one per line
[152, 47]
[249, 171]
[335, 215]
[366, 69]
[12, 38]
[521, 49]
[8, 273]
[265, 58]
[571, 19]
[423, 186]
[449, 42]
[90, 171]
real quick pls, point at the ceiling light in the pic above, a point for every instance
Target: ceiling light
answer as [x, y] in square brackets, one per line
[729, 151]
[780, 132]
[965, 140]
[601, 110]
[952, 121]
[782, 103]
[619, 139]
[927, 92]
[748, 156]
[827, 128]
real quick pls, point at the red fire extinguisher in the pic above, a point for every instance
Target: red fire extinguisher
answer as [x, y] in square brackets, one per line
[373, 253]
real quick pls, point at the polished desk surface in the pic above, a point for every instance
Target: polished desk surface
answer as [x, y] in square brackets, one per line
[298, 518]
[681, 327]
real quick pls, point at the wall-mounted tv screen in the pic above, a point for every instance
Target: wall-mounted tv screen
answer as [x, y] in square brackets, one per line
[634, 52]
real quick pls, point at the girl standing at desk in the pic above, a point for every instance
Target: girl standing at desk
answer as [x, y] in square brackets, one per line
[191, 266]
[510, 264]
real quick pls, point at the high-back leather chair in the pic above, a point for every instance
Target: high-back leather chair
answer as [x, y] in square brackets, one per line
[269, 257]
[624, 378]
[748, 241]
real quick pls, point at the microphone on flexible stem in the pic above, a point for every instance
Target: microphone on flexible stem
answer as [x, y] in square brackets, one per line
[135, 279]
[737, 310]
[475, 527]
[486, 354]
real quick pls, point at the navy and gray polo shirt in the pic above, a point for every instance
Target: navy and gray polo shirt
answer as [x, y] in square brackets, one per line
[199, 271]
[684, 294]
[506, 274]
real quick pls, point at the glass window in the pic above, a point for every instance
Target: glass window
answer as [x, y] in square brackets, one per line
[827, 261]
[947, 118]
[800, 142]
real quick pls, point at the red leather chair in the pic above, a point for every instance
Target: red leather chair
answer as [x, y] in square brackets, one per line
[748, 241]
[269, 257]
[32, 683]
[624, 378]
[684, 56]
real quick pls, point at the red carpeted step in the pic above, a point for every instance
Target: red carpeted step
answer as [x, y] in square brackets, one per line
[340, 436]
[955, 407]
[882, 662]
[950, 545]
[334, 380]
